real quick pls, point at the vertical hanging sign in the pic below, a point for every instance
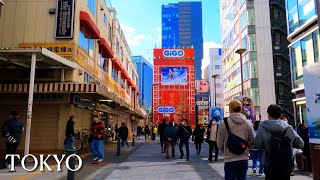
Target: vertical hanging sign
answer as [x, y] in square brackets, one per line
[64, 19]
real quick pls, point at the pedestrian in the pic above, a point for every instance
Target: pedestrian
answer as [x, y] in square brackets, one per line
[123, 134]
[198, 138]
[306, 148]
[161, 128]
[12, 130]
[154, 132]
[184, 134]
[235, 139]
[69, 142]
[257, 153]
[170, 136]
[212, 134]
[139, 131]
[116, 130]
[146, 132]
[151, 131]
[276, 137]
[177, 128]
[97, 144]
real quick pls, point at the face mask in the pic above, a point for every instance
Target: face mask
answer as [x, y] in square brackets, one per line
[214, 122]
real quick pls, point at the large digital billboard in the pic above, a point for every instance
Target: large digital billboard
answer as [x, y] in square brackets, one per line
[174, 76]
[202, 86]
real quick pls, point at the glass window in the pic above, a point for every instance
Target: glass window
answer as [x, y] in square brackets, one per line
[251, 17]
[87, 78]
[293, 17]
[307, 50]
[253, 68]
[306, 10]
[243, 20]
[255, 95]
[316, 45]
[86, 44]
[110, 31]
[296, 58]
[105, 20]
[244, 43]
[253, 44]
[115, 74]
[92, 6]
[217, 67]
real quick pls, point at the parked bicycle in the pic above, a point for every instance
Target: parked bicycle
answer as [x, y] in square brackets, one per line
[82, 139]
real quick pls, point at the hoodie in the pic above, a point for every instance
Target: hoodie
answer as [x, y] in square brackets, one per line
[267, 128]
[239, 126]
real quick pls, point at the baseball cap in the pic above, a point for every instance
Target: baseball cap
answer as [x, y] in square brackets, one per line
[234, 104]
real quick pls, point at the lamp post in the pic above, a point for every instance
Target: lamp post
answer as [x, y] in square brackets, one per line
[240, 52]
[215, 88]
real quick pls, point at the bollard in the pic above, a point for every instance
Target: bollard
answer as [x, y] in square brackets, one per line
[72, 165]
[133, 140]
[118, 147]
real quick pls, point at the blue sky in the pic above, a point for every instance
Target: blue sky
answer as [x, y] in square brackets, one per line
[141, 23]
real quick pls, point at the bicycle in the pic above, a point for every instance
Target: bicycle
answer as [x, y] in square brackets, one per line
[82, 139]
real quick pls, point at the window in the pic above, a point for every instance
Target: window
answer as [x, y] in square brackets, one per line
[307, 50]
[105, 20]
[243, 20]
[110, 32]
[251, 17]
[217, 67]
[297, 71]
[293, 17]
[92, 6]
[86, 44]
[316, 45]
[253, 44]
[114, 74]
[87, 78]
[306, 10]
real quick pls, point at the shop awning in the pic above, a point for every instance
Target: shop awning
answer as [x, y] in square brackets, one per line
[85, 19]
[106, 49]
[21, 57]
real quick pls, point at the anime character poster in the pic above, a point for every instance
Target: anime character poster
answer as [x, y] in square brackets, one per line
[247, 107]
[174, 76]
[311, 78]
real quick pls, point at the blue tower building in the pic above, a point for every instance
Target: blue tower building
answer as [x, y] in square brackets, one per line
[145, 72]
[182, 27]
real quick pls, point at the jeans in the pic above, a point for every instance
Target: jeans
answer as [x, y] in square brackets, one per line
[97, 148]
[236, 170]
[257, 155]
[216, 150]
[186, 143]
[124, 140]
[168, 143]
[198, 148]
[11, 148]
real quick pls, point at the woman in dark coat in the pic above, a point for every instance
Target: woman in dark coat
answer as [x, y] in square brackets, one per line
[69, 142]
[197, 135]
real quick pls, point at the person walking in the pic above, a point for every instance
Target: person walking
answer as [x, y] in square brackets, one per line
[198, 138]
[161, 128]
[277, 138]
[154, 132]
[146, 132]
[170, 136]
[123, 134]
[184, 134]
[257, 153]
[212, 134]
[12, 130]
[235, 139]
[97, 144]
[69, 142]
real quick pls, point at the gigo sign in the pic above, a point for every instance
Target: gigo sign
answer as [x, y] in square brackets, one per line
[173, 53]
[167, 109]
[42, 162]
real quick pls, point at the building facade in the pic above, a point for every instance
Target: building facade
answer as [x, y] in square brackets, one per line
[215, 68]
[182, 27]
[82, 63]
[256, 27]
[303, 34]
[145, 72]
[174, 85]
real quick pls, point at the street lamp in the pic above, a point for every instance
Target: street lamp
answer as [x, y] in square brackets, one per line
[241, 51]
[215, 88]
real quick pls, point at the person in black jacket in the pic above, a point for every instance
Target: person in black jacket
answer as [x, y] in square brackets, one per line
[12, 131]
[197, 136]
[212, 133]
[123, 134]
[69, 142]
[184, 134]
[146, 132]
[161, 128]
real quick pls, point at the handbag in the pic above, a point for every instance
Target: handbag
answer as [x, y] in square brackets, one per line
[235, 144]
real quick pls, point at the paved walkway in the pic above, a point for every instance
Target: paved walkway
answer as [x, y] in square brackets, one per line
[148, 163]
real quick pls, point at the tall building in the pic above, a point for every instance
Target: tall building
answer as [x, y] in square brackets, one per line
[254, 30]
[182, 27]
[145, 72]
[82, 67]
[174, 85]
[215, 68]
[303, 34]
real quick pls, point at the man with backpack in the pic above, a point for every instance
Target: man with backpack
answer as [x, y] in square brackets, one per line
[235, 139]
[161, 128]
[276, 137]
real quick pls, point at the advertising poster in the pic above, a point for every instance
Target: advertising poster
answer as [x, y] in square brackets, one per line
[216, 112]
[247, 107]
[311, 78]
[203, 103]
[64, 18]
[174, 76]
[202, 86]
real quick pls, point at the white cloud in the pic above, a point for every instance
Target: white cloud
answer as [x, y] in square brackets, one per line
[132, 37]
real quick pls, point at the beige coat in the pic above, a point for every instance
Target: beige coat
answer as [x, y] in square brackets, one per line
[240, 126]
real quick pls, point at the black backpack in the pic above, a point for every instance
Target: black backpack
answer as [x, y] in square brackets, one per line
[280, 155]
[235, 144]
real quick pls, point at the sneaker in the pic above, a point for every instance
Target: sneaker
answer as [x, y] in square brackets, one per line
[254, 171]
[209, 159]
[181, 156]
[96, 158]
[100, 160]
